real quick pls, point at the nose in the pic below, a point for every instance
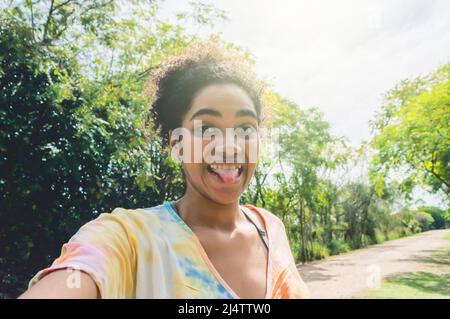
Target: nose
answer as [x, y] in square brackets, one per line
[228, 151]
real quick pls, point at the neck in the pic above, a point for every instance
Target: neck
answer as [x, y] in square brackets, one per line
[198, 211]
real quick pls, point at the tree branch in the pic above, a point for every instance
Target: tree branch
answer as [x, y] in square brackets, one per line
[49, 16]
[62, 4]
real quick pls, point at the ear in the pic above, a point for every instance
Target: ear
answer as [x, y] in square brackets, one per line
[174, 147]
[172, 141]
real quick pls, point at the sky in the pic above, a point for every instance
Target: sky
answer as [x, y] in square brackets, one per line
[339, 56]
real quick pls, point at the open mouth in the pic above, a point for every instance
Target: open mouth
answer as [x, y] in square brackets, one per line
[227, 173]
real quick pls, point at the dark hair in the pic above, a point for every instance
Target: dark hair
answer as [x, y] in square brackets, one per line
[174, 85]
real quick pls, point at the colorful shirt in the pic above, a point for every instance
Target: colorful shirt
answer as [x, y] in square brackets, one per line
[153, 253]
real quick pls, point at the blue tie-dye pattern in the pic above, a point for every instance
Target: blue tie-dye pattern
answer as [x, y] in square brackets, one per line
[167, 215]
[205, 277]
[161, 210]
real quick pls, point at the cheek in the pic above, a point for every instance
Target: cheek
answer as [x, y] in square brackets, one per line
[251, 169]
[194, 171]
[251, 151]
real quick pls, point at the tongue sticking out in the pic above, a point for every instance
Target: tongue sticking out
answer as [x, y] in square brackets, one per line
[228, 176]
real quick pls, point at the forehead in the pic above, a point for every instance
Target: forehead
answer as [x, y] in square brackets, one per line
[224, 98]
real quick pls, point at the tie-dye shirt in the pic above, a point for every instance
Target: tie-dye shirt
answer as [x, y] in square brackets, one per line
[153, 253]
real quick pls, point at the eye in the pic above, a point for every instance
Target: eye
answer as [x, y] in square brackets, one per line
[206, 130]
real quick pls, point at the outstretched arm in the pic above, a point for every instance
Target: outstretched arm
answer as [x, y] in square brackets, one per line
[63, 284]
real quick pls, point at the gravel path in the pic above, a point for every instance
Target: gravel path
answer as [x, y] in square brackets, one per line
[347, 275]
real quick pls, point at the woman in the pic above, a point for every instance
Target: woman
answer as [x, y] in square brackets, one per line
[204, 245]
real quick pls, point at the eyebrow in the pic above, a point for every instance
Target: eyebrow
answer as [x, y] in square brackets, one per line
[250, 113]
[207, 111]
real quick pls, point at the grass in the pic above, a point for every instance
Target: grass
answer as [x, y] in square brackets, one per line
[447, 236]
[421, 285]
[418, 285]
[439, 258]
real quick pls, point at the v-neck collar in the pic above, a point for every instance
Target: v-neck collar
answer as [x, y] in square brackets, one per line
[210, 265]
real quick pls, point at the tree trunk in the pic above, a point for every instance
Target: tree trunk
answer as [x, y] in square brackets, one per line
[302, 233]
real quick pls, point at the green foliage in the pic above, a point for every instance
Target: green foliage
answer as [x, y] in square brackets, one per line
[304, 141]
[406, 223]
[74, 137]
[317, 251]
[357, 199]
[380, 237]
[441, 218]
[338, 246]
[323, 216]
[413, 135]
[424, 219]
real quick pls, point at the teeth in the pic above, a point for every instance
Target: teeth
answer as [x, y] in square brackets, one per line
[221, 166]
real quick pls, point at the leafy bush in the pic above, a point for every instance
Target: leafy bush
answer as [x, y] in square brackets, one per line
[424, 219]
[366, 240]
[441, 218]
[379, 236]
[318, 251]
[338, 246]
[394, 234]
[70, 149]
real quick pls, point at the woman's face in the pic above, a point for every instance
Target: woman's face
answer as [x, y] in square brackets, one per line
[219, 157]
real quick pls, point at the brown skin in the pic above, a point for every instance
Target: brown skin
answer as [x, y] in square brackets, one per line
[212, 210]
[209, 208]
[53, 286]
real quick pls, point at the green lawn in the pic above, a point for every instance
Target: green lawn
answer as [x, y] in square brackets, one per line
[419, 285]
[414, 286]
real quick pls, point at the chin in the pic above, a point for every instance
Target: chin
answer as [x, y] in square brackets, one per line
[225, 199]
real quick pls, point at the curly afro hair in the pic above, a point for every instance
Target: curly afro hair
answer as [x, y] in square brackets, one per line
[173, 86]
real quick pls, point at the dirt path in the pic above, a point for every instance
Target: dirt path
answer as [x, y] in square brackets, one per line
[347, 275]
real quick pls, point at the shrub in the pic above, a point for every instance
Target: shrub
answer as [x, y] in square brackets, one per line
[440, 218]
[379, 236]
[394, 234]
[318, 252]
[424, 220]
[338, 246]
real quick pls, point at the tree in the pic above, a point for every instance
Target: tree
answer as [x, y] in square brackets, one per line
[424, 219]
[74, 138]
[304, 141]
[441, 218]
[413, 135]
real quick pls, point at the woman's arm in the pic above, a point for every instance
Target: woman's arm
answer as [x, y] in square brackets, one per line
[99, 261]
[63, 284]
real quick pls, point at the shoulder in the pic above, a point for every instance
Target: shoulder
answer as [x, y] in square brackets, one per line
[270, 220]
[137, 215]
[277, 234]
[124, 221]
